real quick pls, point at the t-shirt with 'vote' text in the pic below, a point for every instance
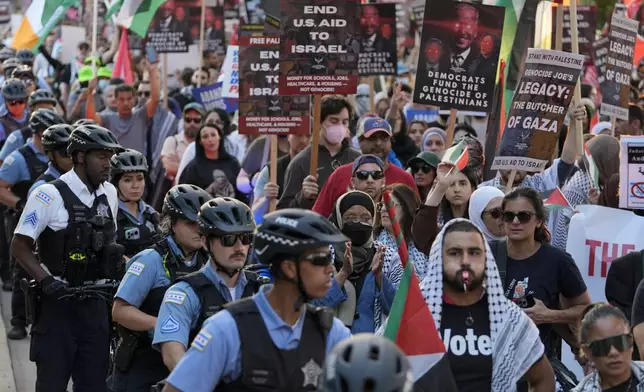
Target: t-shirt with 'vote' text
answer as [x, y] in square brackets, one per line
[465, 331]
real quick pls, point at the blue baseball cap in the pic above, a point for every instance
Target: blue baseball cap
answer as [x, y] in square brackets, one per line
[367, 158]
[372, 125]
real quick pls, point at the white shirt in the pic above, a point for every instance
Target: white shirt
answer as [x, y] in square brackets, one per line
[45, 207]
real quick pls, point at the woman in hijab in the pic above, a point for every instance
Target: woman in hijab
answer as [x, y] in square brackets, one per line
[434, 141]
[359, 263]
[485, 212]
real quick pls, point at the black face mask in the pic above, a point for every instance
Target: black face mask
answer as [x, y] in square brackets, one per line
[358, 232]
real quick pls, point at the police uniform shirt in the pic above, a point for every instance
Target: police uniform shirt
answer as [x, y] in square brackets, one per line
[181, 307]
[14, 141]
[14, 169]
[52, 171]
[142, 207]
[21, 121]
[215, 354]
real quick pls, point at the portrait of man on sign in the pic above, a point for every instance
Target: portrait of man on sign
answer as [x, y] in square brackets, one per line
[464, 54]
[372, 38]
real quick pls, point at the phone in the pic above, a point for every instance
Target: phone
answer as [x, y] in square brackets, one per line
[151, 54]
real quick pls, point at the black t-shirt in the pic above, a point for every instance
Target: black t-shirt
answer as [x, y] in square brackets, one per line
[466, 333]
[629, 385]
[544, 275]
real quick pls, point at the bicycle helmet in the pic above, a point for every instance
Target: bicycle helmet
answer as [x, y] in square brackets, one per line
[9, 65]
[42, 96]
[128, 161]
[14, 89]
[84, 121]
[42, 119]
[291, 232]
[92, 137]
[367, 361]
[56, 137]
[5, 54]
[225, 215]
[23, 71]
[184, 201]
[25, 56]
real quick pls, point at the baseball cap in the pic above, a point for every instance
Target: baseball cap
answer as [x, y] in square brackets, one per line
[372, 125]
[194, 106]
[85, 74]
[425, 157]
[367, 158]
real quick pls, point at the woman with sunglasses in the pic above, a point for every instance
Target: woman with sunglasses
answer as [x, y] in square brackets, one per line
[485, 212]
[606, 340]
[423, 168]
[539, 275]
[456, 202]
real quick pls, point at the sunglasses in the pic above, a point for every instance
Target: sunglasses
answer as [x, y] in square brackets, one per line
[522, 216]
[601, 348]
[424, 168]
[193, 120]
[318, 259]
[144, 94]
[229, 240]
[495, 213]
[63, 153]
[16, 102]
[363, 175]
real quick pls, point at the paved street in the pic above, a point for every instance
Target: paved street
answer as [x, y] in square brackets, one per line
[24, 371]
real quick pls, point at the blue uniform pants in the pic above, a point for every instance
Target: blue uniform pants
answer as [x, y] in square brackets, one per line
[145, 370]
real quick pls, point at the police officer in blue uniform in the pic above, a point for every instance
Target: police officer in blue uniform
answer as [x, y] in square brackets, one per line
[55, 141]
[284, 340]
[14, 93]
[138, 222]
[138, 366]
[73, 221]
[228, 226]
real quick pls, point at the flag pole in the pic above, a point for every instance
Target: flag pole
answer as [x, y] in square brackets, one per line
[202, 35]
[94, 37]
[574, 39]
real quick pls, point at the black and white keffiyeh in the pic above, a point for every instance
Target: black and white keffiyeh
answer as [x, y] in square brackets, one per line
[515, 339]
[392, 265]
[592, 382]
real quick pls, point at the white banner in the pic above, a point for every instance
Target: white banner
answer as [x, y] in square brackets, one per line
[230, 72]
[598, 235]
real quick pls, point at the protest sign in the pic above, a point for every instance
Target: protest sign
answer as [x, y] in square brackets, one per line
[272, 19]
[230, 70]
[459, 55]
[631, 172]
[586, 24]
[427, 115]
[252, 18]
[319, 47]
[418, 11]
[378, 40]
[622, 35]
[211, 97]
[169, 31]
[538, 110]
[600, 53]
[261, 109]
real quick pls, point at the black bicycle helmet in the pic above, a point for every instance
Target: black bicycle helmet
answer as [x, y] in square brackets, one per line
[92, 137]
[291, 232]
[42, 119]
[184, 201]
[56, 137]
[26, 56]
[367, 361]
[42, 96]
[5, 54]
[23, 71]
[14, 89]
[84, 121]
[128, 161]
[9, 65]
[225, 215]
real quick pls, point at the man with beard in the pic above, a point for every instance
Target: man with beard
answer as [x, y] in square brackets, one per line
[372, 40]
[490, 342]
[464, 56]
[374, 136]
[175, 146]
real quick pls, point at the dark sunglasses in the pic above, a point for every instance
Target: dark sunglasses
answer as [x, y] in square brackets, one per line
[424, 168]
[144, 93]
[495, 213]
[16, 102]
[601, 348]
[229, 240]
[193, 120]
[522, 216]
[318, 259]
[63, 153]
[363, 175]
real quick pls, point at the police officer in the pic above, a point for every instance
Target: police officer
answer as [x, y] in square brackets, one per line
[284, 340]
[15, 95]
[149, 274]
[228, 226]
[39, 121]
[55, 140]
[27, 58]
[8, 66]
[137, 221]
[26, 74]
[84, 121]
[72, 219]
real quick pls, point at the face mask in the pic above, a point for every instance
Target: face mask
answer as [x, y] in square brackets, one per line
[358, 232]
[102, 84]
[16, 111]
[335, 133]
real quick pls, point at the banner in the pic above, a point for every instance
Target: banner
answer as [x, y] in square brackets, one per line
[169, 31]
[459, 55]
[211, 97]
[230, 70]
[631, 172]
[319, 47]
[378, 40]
[427, 115]
[586, 25]
[538, 110]
[622, 35]
[600, 53]
[261, 109]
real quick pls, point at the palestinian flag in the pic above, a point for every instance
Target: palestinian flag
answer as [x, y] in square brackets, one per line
[591, 169]
[41, 17]
[113, 7]
[123, 63]
[457, 156]
[555, 200]
[136, 15]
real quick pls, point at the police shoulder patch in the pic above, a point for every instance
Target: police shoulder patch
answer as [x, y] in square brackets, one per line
[31, 219]
[44, 198]
[170, 325]
[175, 297]
[136, 268]
[201, 340]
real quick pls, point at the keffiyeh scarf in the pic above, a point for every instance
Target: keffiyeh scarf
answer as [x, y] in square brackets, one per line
[515, 339]
[392, 266]
[576, 192]
[592, 382]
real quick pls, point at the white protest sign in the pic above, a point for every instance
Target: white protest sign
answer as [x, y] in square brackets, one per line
[631, 172]
[230, 70]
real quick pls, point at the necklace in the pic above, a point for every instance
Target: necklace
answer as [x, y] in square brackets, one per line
[469, 320]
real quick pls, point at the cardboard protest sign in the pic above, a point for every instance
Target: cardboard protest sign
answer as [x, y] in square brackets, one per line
[631, 173]
[211, 97]
[261, 109]
[230, 70]
[600, 53]
[622, 35]
[378, 40]
[586, 25]
[459, 55]
[319, 47]
[538, 109]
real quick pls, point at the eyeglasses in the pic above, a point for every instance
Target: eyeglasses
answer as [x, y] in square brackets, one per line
[16, 102]
[601, 348]
[144, 94]
[495, 213]
[229, 240]
[192, 120]
[522, 216]
[424, 168]
[363, 175]
[318, 259]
